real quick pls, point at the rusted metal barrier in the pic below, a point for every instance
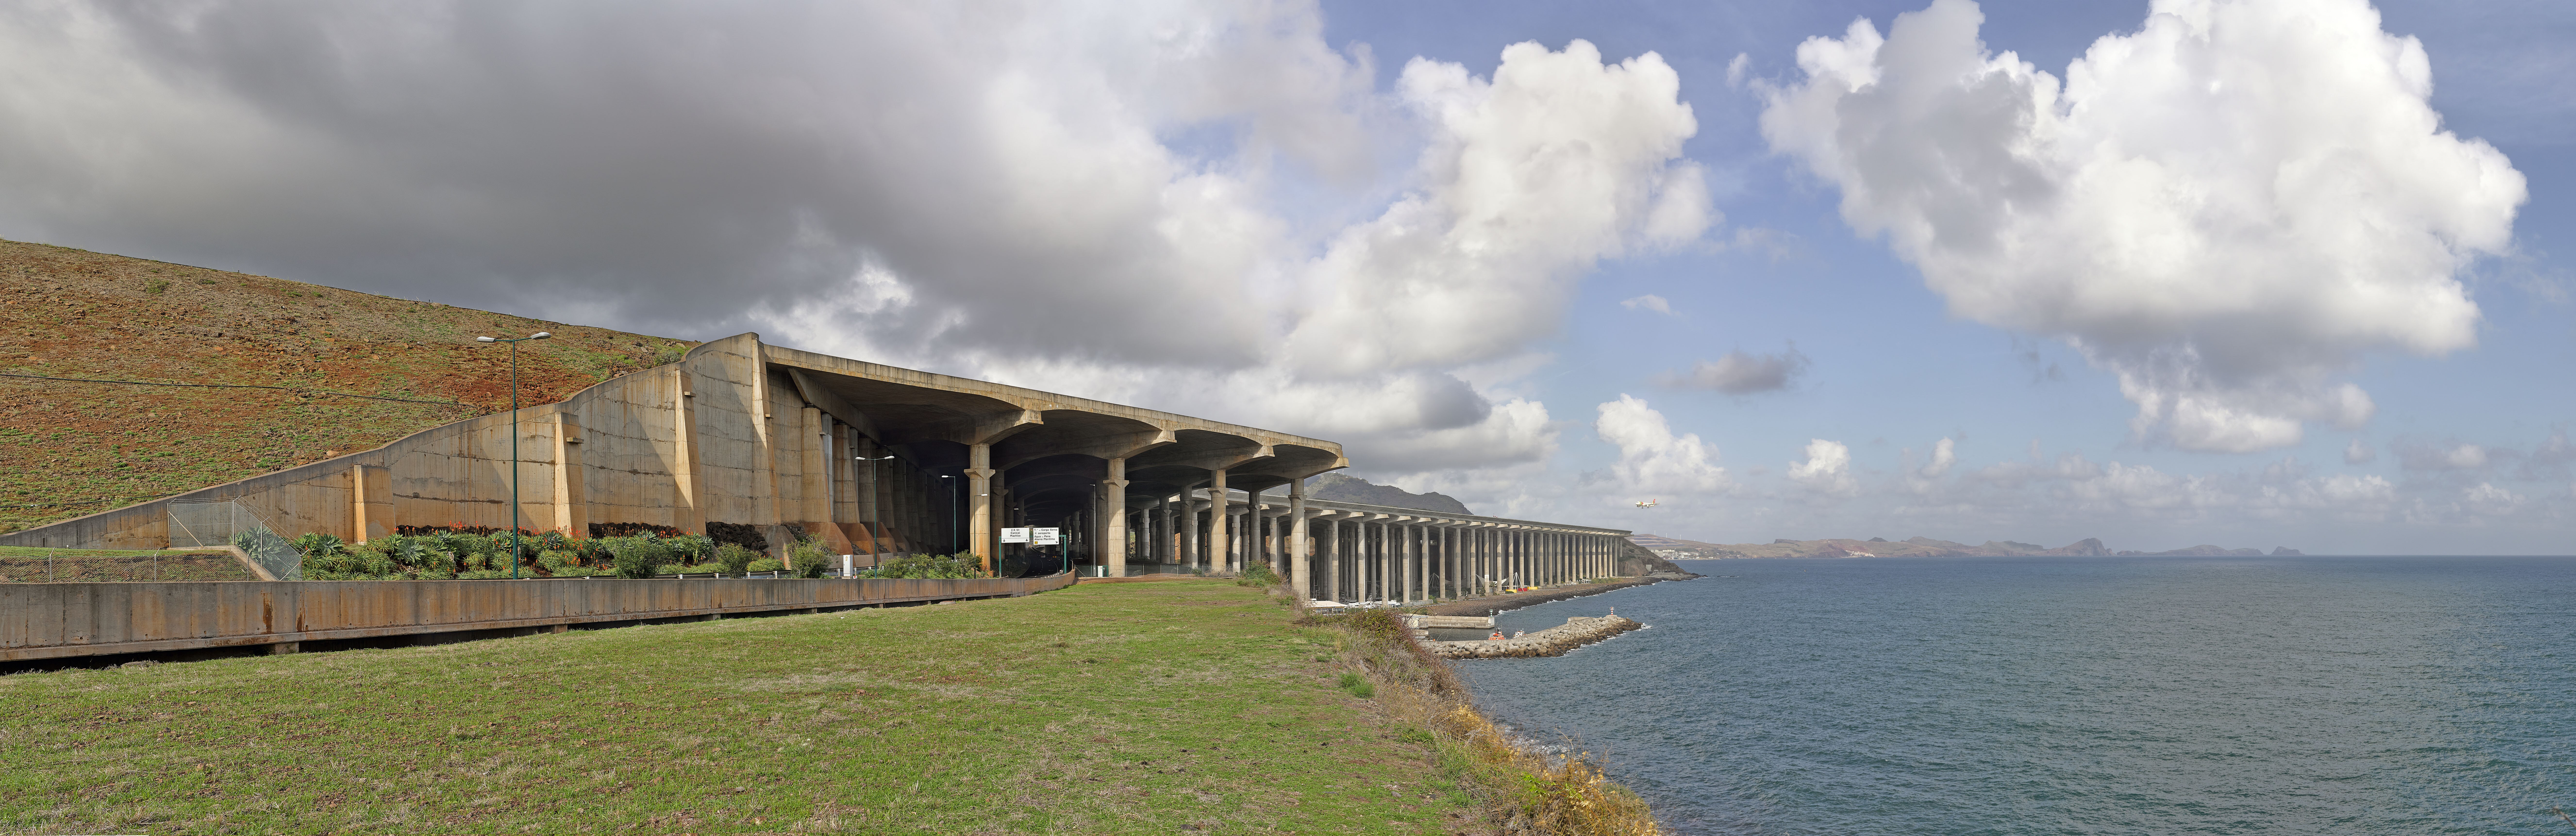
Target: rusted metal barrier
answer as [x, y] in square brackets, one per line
[57, 620]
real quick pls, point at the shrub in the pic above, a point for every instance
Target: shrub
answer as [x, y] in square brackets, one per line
[1259, 574]
[812, 557]
[690, 548]
[951, 566]
[317, 544]
[638, 557]
[554, 561]
[735, 559]
[762, 565]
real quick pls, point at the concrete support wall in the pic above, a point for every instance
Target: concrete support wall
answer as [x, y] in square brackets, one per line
[57, 620]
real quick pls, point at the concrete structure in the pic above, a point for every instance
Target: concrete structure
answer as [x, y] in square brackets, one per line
[1355, 553]
[877, 460]
[60, 620]
[873, 459]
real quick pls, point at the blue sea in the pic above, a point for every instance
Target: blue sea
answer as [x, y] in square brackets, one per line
[2369, 695]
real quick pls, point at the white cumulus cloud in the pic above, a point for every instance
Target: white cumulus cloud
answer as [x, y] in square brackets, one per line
[1945, 453]
[1826, 470]
[1651, 458]
[2226, 208]
[1532, 177]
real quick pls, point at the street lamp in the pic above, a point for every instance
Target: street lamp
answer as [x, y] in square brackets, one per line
[876, 548]
[514, 440]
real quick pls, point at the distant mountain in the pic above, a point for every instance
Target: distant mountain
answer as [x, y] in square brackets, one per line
[1339, 488]
[1914, 547]
[2202, 551]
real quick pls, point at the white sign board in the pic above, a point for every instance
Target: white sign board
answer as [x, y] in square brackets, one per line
[1045, 536]
[1015, 535]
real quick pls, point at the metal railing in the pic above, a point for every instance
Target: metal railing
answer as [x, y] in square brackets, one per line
[227, 523]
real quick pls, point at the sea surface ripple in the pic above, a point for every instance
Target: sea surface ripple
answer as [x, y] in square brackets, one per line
[2370, 695]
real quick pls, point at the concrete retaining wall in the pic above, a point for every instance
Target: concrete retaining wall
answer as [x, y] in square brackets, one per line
[56, 620]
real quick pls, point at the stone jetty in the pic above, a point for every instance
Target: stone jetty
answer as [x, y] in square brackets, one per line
[1554, 641]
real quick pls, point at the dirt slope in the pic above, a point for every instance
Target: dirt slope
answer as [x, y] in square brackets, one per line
[72, 448]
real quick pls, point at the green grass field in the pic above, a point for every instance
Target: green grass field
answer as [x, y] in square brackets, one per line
[1111, 708]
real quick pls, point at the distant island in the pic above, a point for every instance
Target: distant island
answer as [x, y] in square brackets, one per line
[1677, 549]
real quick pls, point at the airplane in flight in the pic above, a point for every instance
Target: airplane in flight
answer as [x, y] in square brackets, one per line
[1646, 504]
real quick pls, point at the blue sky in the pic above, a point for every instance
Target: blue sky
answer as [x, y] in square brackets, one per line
[1550, 281]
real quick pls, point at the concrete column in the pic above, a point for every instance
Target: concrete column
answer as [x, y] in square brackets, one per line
[1114, 499]
[979, 499]
[1252, 546]
[1331, 543]
[1191, 553]
[1391, 547]
[1372, 567]
[688, 500]
[1449, 586]
[1299, 574]
[572, 507]
[1419, 562]
[1219, 547]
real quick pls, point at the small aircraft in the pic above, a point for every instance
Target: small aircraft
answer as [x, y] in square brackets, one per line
[1646, 504]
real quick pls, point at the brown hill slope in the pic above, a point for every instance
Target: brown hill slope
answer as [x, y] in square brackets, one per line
[71, 447]
[1342, 488]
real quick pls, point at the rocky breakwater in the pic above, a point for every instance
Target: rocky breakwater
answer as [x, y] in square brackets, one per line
[1554, 641]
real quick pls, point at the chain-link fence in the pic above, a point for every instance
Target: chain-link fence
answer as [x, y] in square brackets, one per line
[227, 523]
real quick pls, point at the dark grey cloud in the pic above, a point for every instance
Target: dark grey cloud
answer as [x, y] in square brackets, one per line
[675, 167]
[1739, 373]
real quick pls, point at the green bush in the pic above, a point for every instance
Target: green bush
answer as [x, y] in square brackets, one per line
[762, 565]
[950, 566]
[637, 557]
[813, 558]
[735, 559]
[1259, 574]
[690, 548]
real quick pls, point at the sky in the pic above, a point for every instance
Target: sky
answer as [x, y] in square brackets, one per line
[2280, 273]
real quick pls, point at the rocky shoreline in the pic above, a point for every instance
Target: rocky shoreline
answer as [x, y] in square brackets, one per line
[1554, 641]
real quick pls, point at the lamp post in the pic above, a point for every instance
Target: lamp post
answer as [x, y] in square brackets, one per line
[514, 440]
[877, 558]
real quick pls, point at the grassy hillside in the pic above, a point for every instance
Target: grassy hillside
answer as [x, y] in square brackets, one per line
[69, 448]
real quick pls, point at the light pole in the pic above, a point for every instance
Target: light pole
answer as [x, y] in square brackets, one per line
[876, 549]
[514, 440]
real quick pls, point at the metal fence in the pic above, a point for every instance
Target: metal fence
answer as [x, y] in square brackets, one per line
[227, 523]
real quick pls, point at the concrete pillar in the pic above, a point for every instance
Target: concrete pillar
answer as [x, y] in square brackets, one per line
[1114, 510]
[1191, 554]
[1300, 575]
[1393, 546]
[1219, 548]
[572, 506]
[979, 508]
[371, 503]
[1449, 585]
[688, 496]
[1417, 564]
[1250, 547]
[1331, 543]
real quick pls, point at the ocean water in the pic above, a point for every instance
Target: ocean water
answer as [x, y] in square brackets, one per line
[2076, 695]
